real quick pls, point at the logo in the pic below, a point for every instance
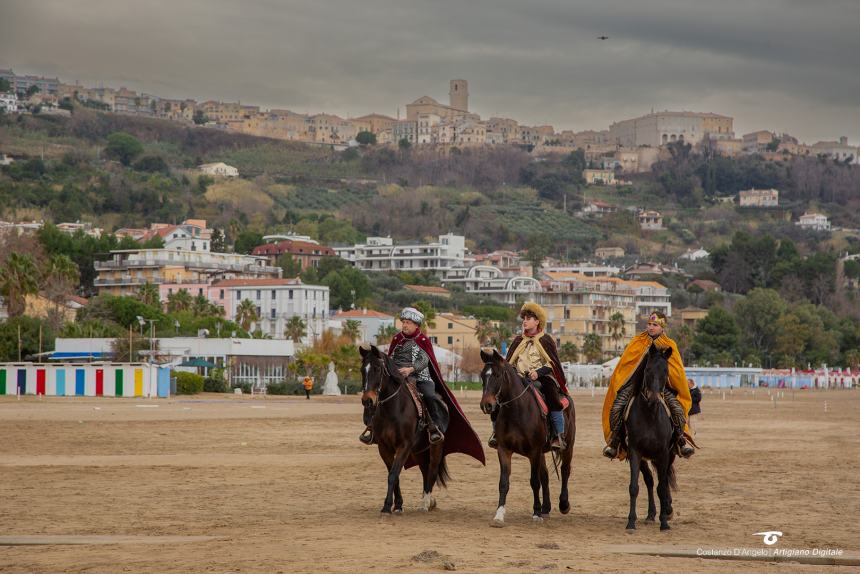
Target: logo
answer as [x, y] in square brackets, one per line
[770, 537]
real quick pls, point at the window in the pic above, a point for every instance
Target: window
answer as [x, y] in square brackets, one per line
[200, 290]
[272, 315]
[274, 294]
[450, 340]
[239, 295]
[221, 294]
[259, 312]
[450, 325]
[258, 294]
[291, 295]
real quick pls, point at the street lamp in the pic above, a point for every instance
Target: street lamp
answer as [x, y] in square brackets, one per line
[176, 324]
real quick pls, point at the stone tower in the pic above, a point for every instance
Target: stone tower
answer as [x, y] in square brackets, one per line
[459, 95]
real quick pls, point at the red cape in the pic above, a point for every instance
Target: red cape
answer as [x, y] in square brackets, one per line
[548, 345]
[461, 437]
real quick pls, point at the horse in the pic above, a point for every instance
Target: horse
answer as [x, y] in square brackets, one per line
[397, 430]
[522, 429]
[650, 437]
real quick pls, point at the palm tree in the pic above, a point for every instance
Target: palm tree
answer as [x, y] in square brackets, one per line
[246, 314]
[592, 347]
[429, 313]
[352, 329]
[500, 334]
[617, 330]
[385, 334]
[180, 301]
[148, 294]
[18, 278]
[484, 331]
[568, 352]
[201, 305]
[62, 268]
[295, 329]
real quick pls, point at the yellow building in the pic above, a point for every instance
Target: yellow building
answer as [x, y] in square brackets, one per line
[452, 332]
[373, 123]
[572, 322]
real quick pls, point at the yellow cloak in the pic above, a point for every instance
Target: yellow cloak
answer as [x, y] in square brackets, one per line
[630, 359]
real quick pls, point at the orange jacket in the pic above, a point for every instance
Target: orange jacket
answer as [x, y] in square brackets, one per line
[308, 383]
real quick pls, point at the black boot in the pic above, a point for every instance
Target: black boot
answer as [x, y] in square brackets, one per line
[433, 415]
[611, 450]
[366, 437]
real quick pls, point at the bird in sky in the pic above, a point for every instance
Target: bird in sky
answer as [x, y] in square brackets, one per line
[603, 37]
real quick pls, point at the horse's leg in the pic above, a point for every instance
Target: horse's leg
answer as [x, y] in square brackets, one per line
[663, 491]
[394, 476]
[648, 477]
[433, 458]
[534, 481]
[566, 459]
[546, 507]
[635, 461]
[504, 485]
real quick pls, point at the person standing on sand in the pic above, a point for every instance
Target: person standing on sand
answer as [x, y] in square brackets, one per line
[309, 385]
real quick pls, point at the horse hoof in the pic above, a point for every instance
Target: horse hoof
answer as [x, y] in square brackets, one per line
[537, 519]
[630, 529]
[671, 515]
[650, 519]
[664, 527]
[564, 508]
[398, 511]
[496, 523]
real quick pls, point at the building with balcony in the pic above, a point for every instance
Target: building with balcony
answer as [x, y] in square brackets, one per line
[276, 301]
[562, 288]
[175, 269]
[307, 252]
[491, 282]
[381, 254]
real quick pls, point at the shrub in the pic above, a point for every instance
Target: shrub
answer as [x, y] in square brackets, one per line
[188, 383]
[246, 387]
[211, 385]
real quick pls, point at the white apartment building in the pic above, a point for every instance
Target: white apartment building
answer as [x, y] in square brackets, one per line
[381, 254]
[9, 103]
[814, 221]
[219, 169]
[490, 281]
[276, 301]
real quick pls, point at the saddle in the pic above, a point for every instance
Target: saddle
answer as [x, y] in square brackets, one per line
[423, 414]
[544, 409]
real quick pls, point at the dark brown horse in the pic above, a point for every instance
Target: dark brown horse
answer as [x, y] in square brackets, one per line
[397, 429]
[650, 437]
[522, 429]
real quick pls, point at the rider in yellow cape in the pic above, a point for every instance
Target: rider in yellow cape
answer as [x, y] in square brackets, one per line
[619, 392]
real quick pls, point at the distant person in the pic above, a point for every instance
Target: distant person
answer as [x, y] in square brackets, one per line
[309, 385]
[695, 408]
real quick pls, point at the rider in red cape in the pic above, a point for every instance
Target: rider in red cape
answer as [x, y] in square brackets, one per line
[460, 436]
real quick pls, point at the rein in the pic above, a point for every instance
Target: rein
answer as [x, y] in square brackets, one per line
[386, 374]
[505, 403]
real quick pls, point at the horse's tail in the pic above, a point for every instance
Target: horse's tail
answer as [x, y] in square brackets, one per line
[670, 476]
[442, 477]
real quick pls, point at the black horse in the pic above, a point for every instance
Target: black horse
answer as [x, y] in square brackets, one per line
[521, 429]
[650, 437]
[398, 429]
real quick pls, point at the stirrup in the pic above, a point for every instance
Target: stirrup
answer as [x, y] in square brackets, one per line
[366, 437]
[557, 444]
[435, 432]
[685, 450]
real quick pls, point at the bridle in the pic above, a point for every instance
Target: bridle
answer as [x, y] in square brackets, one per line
[385, 374]
[500, 403]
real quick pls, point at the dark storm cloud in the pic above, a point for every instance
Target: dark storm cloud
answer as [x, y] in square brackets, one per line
[788, 65]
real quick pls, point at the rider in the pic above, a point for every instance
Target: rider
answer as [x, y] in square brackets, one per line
[411, 352]
[676, 393]
[535, 358]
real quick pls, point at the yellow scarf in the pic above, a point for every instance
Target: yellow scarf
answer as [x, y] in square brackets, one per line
[534, 340]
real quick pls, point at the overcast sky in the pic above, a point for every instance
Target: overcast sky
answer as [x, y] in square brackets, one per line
[785, 65]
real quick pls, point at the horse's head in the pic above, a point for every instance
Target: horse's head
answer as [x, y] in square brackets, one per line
[373, 369]
[656, 374]
[492, 376]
